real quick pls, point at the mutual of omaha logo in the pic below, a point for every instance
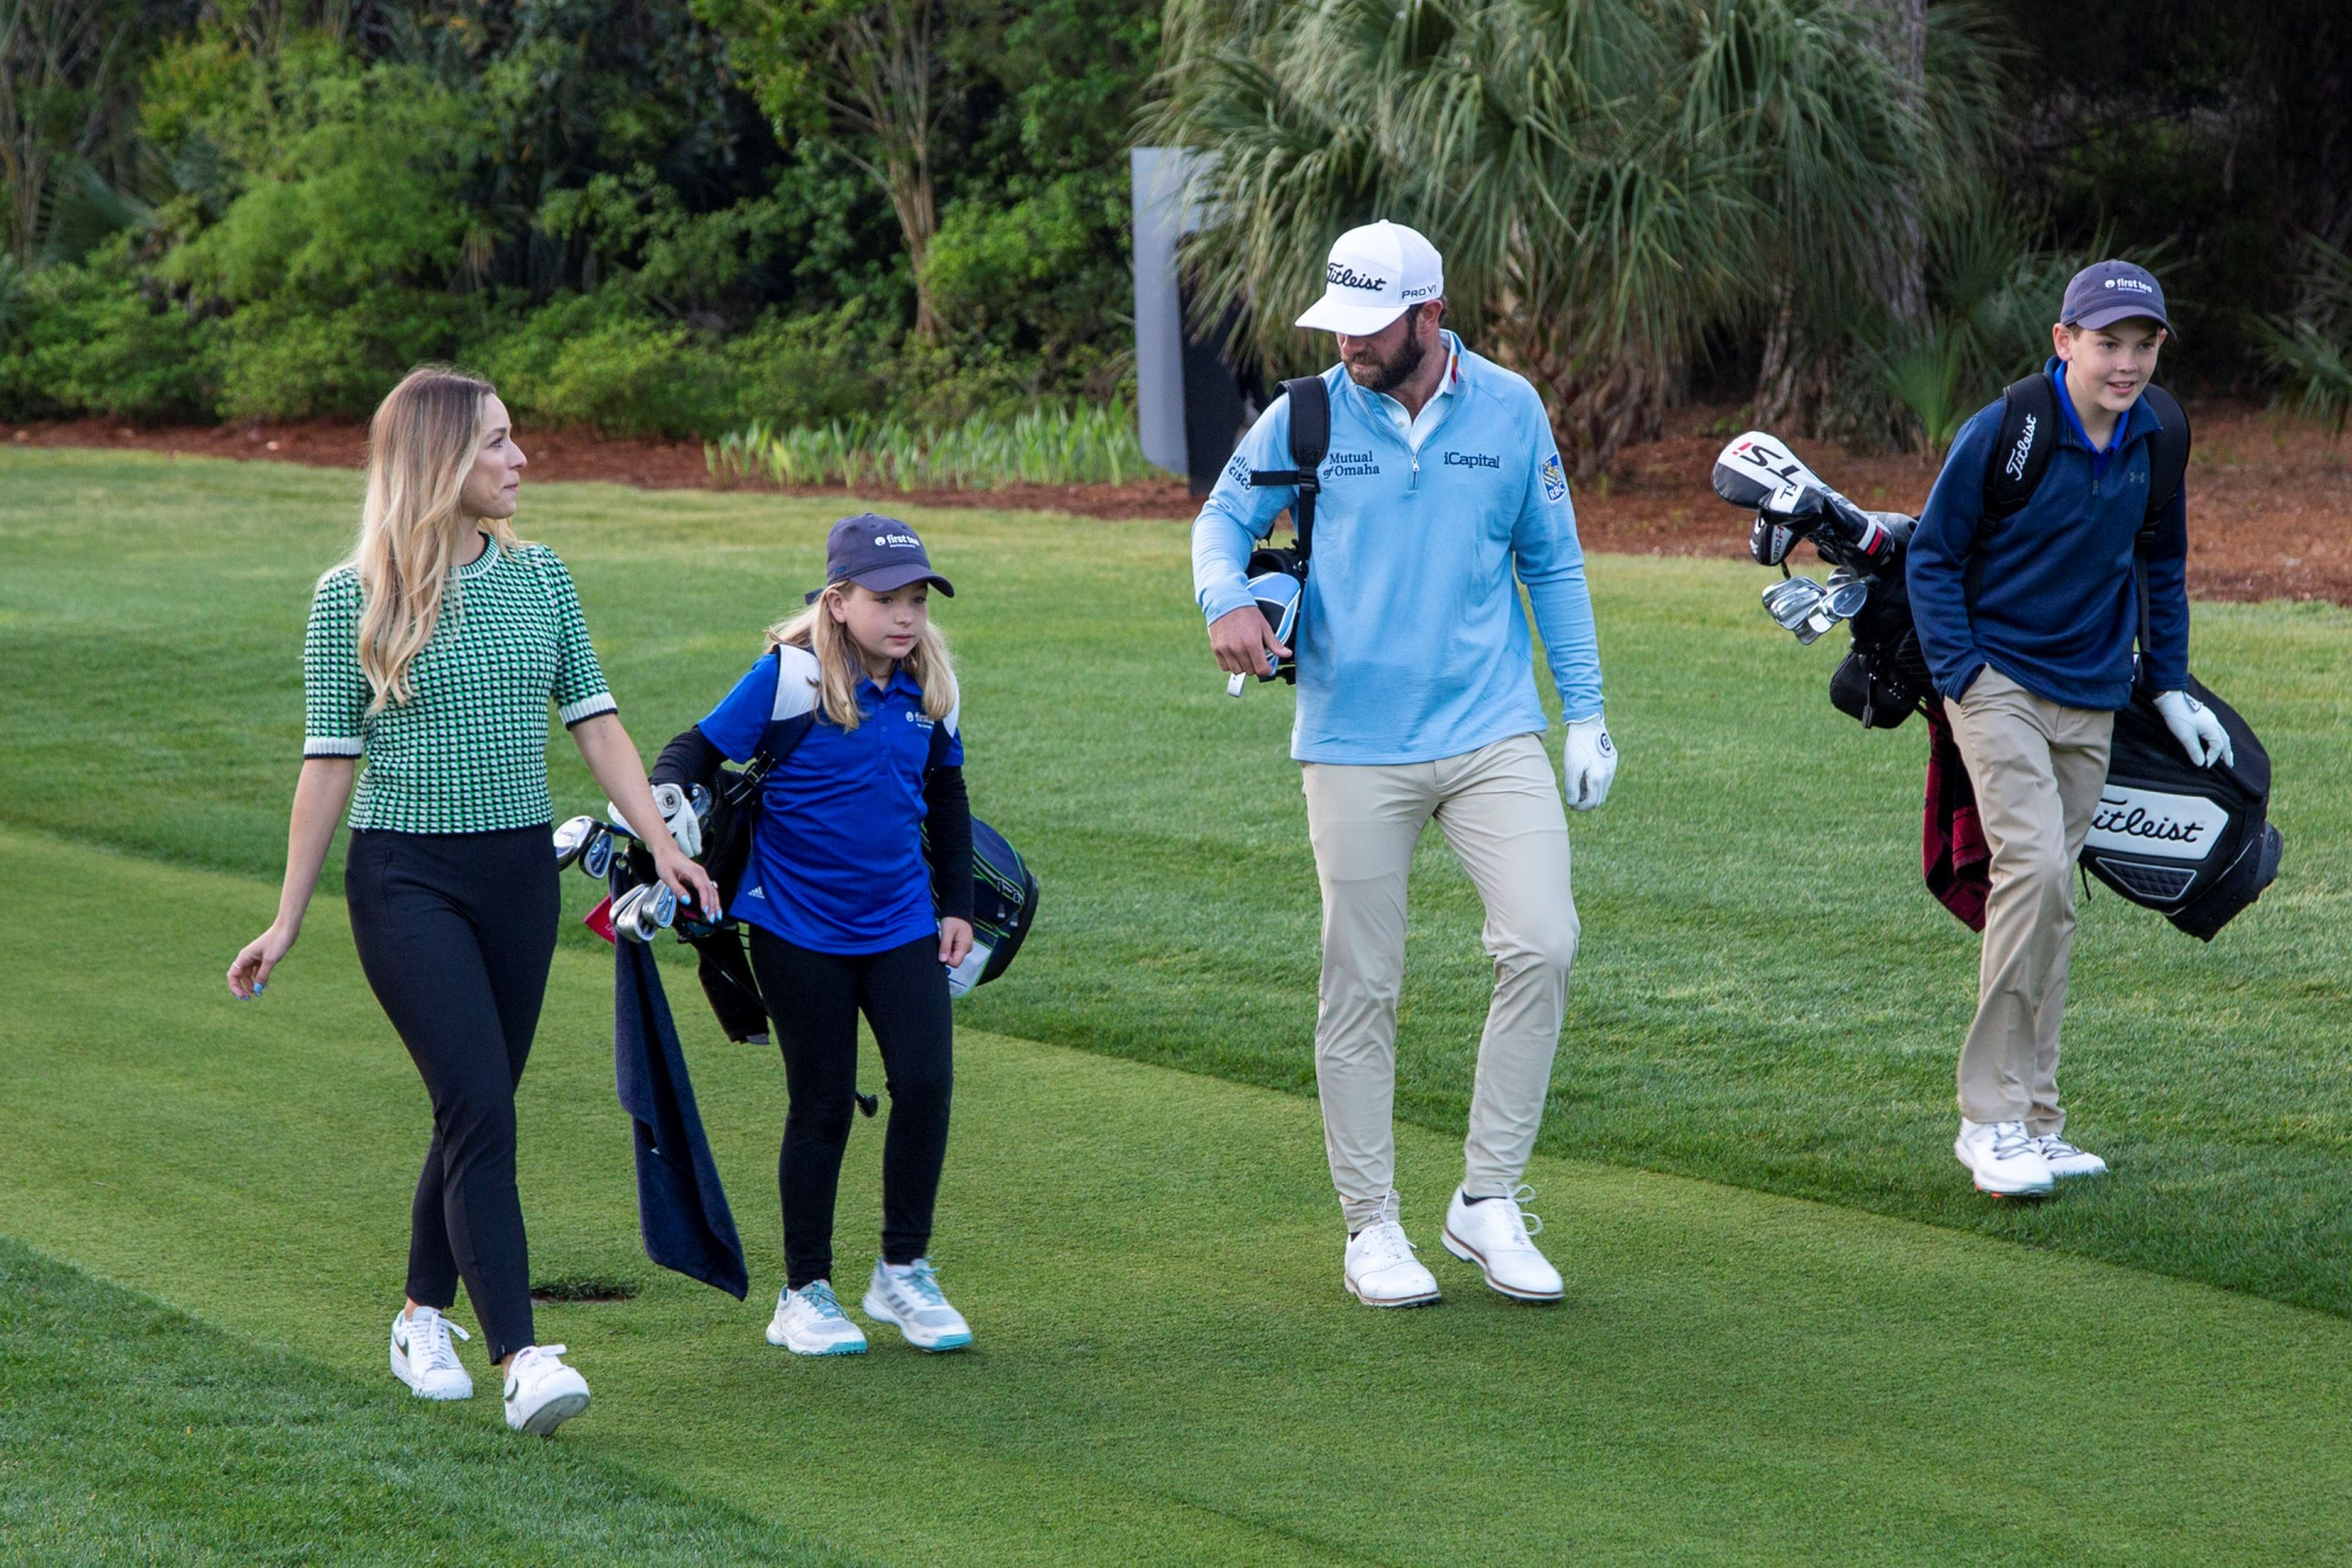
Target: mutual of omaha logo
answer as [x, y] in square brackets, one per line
[1349, 465]
[2144, 822]
[1555, 483]
[2015, 466]
[1347, 277]
[1473, 460]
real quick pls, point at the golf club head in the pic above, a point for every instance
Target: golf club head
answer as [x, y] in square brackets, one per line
[1758, 472]
[596, 855]
[1769, 541]
[572, 839]
[1790, 600]
[1844, 595]
[699, 797]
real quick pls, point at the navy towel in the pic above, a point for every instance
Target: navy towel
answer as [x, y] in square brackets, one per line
[680, 1208]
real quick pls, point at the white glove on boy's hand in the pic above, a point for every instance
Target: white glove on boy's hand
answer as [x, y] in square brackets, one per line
[1590, 760]
[2197, 727]
[678, 815]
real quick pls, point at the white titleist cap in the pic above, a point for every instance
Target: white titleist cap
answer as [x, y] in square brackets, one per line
[1375, 273]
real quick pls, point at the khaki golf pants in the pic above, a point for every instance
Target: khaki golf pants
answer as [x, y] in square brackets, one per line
[2037, 768]
[1499, 808]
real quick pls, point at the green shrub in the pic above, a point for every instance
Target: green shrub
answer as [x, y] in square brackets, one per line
[286, 358]
[808, 370]
[88, 338]
[588, 360]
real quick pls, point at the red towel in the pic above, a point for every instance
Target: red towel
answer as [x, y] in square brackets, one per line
[1952, 850]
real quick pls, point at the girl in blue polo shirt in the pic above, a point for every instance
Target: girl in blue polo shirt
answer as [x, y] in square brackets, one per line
[847, 915]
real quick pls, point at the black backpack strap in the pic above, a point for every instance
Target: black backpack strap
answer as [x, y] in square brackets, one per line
[2021, 449]
[2167, 471]
[1310, 439]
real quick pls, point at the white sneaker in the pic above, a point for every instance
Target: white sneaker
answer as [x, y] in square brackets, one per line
[542, 1392]
[1380, 1270]
[2003, 1158]
[423, 1357]
[908, 1296]
[2065, 1160]
[1494, 1234]
[810, 1321]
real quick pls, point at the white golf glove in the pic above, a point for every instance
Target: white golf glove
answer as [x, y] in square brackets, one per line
[678, 815]
[1590, 760]
[2197, 727]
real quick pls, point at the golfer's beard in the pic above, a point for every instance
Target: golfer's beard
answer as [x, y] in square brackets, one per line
[1392, 374]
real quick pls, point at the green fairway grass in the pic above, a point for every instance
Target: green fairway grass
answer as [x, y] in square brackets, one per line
[1763, 1357]
[1167, 1370]
[130, 1433]
[1766, 995]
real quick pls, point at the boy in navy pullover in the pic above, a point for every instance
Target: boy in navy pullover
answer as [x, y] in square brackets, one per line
[2028, 624]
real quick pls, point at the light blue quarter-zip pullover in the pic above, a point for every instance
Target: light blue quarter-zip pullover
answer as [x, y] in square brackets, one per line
[1411, 644]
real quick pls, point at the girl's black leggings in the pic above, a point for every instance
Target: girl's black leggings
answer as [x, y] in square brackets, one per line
[455, 931]
[814, 999]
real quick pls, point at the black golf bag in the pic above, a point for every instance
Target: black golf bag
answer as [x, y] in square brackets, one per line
[2192, 843]
[1310, 439]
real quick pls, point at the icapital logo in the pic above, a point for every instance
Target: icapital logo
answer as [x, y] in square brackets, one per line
[1340, 275]
[2015, 466]
[1473, 460]
[897, 541]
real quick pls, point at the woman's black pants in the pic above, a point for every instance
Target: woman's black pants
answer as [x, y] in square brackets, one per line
[455, 931]
[814, 999]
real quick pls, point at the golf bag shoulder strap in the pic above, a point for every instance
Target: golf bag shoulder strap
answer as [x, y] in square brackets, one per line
[2021, 447]
[1310, 439]
[2029, 435]
[2167, 459]
[794, 714]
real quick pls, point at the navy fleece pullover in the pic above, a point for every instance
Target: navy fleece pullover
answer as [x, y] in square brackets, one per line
[2054, 608]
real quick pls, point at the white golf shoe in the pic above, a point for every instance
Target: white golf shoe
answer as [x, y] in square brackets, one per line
[542, 1392]
[908, 1296]
[423, 1357]
[1496, 1235]
[2065, 1160]
[2003, 1158]
[1380, 1270]
[810, 1321]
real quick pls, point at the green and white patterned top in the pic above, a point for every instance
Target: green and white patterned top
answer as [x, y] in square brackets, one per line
[468, 751]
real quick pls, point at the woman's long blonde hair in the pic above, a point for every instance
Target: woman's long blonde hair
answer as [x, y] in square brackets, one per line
[841, 667]
[413, 536]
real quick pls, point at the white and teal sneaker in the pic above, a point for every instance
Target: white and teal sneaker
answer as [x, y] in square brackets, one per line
[810, 1321]
[908, 1296]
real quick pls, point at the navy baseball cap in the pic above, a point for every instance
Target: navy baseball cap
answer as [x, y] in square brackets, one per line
[2110, 291]
[876, 552]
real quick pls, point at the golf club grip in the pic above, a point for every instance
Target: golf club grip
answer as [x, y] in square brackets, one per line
[1234, 684]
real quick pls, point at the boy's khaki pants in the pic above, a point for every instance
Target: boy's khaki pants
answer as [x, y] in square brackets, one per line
[2037, 768]
[1500, 810]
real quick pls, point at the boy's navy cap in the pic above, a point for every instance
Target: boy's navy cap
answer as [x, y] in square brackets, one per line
[876, 552]
[2111, 291]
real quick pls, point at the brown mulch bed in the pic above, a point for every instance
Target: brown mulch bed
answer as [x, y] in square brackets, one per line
[2270, 501]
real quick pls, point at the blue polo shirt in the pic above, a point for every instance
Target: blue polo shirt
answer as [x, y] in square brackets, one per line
[2053, 605]
[836, 863]
[1412, 644]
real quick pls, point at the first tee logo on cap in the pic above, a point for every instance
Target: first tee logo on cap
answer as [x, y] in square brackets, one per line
[897, 542]
[1374, 274]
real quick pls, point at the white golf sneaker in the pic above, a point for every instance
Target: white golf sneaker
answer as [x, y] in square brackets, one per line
[908, 1296]
[2003, 1158]
[423, 1357]
[542, 1392]
[2065, 1160]
[1380, 1270]
[1496, 1235]
[810, 1321]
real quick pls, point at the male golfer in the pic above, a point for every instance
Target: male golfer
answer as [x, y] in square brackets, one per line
[1442, 496]
[2028, 625]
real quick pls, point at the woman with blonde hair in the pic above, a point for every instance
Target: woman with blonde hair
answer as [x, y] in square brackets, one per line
[858, 893]
[434, 653]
